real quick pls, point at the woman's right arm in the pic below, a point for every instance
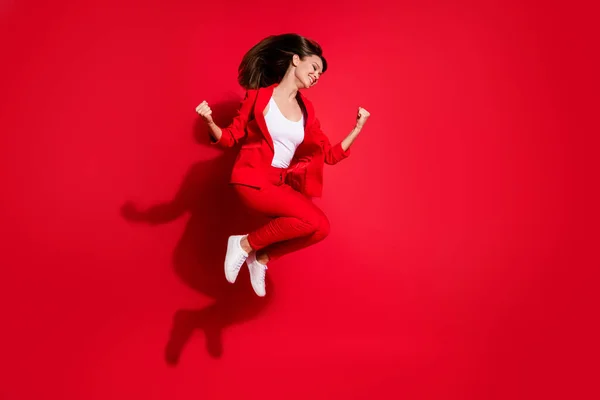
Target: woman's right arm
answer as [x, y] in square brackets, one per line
[232, 134]
[215, 131]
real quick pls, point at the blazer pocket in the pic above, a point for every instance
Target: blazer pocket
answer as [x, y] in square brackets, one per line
[296, 178]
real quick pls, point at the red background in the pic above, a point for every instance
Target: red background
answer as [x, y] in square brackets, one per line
[456, 266]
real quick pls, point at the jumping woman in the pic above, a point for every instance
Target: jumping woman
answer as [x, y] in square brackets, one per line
[279, 167]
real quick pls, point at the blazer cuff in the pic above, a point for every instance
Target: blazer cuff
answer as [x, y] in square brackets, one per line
[222, 142]
[339, 153]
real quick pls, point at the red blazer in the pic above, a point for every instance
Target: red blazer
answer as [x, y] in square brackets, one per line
[249, 128]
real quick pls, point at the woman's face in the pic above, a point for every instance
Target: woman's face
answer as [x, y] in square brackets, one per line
[308, 70]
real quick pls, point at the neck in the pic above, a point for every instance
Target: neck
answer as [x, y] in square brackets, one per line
[287, 87]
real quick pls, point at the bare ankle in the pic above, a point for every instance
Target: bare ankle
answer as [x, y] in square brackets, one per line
[246, 244]
[262, 257]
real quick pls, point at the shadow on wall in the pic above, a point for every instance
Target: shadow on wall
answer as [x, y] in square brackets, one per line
[215, 214]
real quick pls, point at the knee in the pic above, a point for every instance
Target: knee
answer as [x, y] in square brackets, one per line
[316, 224]
[322, 228]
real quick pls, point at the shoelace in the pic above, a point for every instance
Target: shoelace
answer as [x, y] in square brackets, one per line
[263, 274]
[239, 264]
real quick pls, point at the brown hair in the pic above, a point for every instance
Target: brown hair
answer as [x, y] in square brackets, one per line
[267, 61]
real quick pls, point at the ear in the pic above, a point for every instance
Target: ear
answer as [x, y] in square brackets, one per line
[296, 60]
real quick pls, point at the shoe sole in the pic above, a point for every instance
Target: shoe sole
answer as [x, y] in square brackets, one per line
[258, 294]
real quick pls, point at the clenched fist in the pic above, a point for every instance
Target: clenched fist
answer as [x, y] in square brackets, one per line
[362, 117]
[205, 112]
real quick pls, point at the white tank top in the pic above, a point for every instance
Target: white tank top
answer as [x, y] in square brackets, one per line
[287, 135]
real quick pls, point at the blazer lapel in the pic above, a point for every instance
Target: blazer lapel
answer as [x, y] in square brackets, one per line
[309, 110]
[309, 137]
[262, 99]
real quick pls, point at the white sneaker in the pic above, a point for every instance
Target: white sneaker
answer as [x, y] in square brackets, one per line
[258, 273]
[235, 257]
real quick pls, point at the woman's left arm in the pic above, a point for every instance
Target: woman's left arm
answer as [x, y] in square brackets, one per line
[348, 140]
[361, 119]
[338, 152]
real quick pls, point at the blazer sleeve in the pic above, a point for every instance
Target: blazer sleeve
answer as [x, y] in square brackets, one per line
[232, 134]
[333, 154]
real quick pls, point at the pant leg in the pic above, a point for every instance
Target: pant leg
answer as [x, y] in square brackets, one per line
[280, 249]
[297, 222]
